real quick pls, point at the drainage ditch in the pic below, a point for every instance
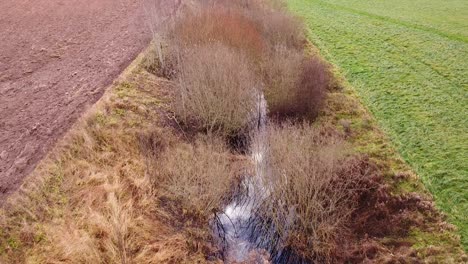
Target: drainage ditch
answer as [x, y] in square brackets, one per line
[240, 230]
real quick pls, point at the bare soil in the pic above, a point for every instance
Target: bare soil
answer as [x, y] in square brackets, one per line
[56, 59]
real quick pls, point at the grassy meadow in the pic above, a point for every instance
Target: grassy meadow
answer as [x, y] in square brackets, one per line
[408, 62]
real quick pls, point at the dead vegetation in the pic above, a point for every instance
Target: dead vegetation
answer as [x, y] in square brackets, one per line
[200, 175]
[310, 198]
[324, 203]
[95, 199]
[140, 178]
[296, 85]
[217, 89]
[267, 43]
[218, 25]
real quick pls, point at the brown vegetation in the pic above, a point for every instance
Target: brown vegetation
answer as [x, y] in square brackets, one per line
[218, 25]
[329, 206]
[216, 90]
[128, 185]
[312, 193]
[90, 202]
[96, 199]
[295, 86]
[271, 17]
[279, 27]
[200, 175]
[272, 42]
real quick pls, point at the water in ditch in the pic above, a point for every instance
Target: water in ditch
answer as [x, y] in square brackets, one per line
[243, 237]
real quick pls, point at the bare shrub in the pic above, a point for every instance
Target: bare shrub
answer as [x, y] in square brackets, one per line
[296, 86]
[272, 37]
[281, 72]
[198, 175]
[281, 28]
[312, 88]
[277, 25]
[271, 17]
[216, 89]
[213, 25]
[309, 198]
[160, 60]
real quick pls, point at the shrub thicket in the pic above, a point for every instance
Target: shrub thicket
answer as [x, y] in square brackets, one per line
[227, 53]
[295, 85]
[213, 25]
[310, 193]
[273, 43]
[311, 88]
[216, 89]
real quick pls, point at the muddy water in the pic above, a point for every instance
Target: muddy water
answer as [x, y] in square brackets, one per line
[243, 237]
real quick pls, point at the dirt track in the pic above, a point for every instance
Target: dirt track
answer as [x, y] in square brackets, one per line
[56, 58]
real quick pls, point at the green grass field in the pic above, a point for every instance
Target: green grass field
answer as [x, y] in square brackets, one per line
[408, 61]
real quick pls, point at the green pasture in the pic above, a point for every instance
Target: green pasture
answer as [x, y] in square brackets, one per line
[408, 61]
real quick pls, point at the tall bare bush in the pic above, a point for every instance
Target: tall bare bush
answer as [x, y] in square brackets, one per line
[309, 198]
[217, 89]
[281, 72]
[281, 28]
[159, 15]
[212, 25]
[295, 86]
[277, 25]
[311, 88]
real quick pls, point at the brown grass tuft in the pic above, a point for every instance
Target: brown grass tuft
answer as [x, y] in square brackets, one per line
[200, 176]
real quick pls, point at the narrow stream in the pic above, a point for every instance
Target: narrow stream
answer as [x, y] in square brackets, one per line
[236, 220]
[243, 236]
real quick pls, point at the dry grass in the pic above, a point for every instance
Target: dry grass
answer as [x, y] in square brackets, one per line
[309, 197]
[94, 200]
[93, 206]
[200, 175]
[216, 89]
[161, 60]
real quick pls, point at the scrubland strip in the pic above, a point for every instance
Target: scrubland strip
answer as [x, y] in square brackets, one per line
[141, 178]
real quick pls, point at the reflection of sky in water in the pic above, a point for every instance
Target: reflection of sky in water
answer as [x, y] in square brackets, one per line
[245, 237]
[236, 220]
